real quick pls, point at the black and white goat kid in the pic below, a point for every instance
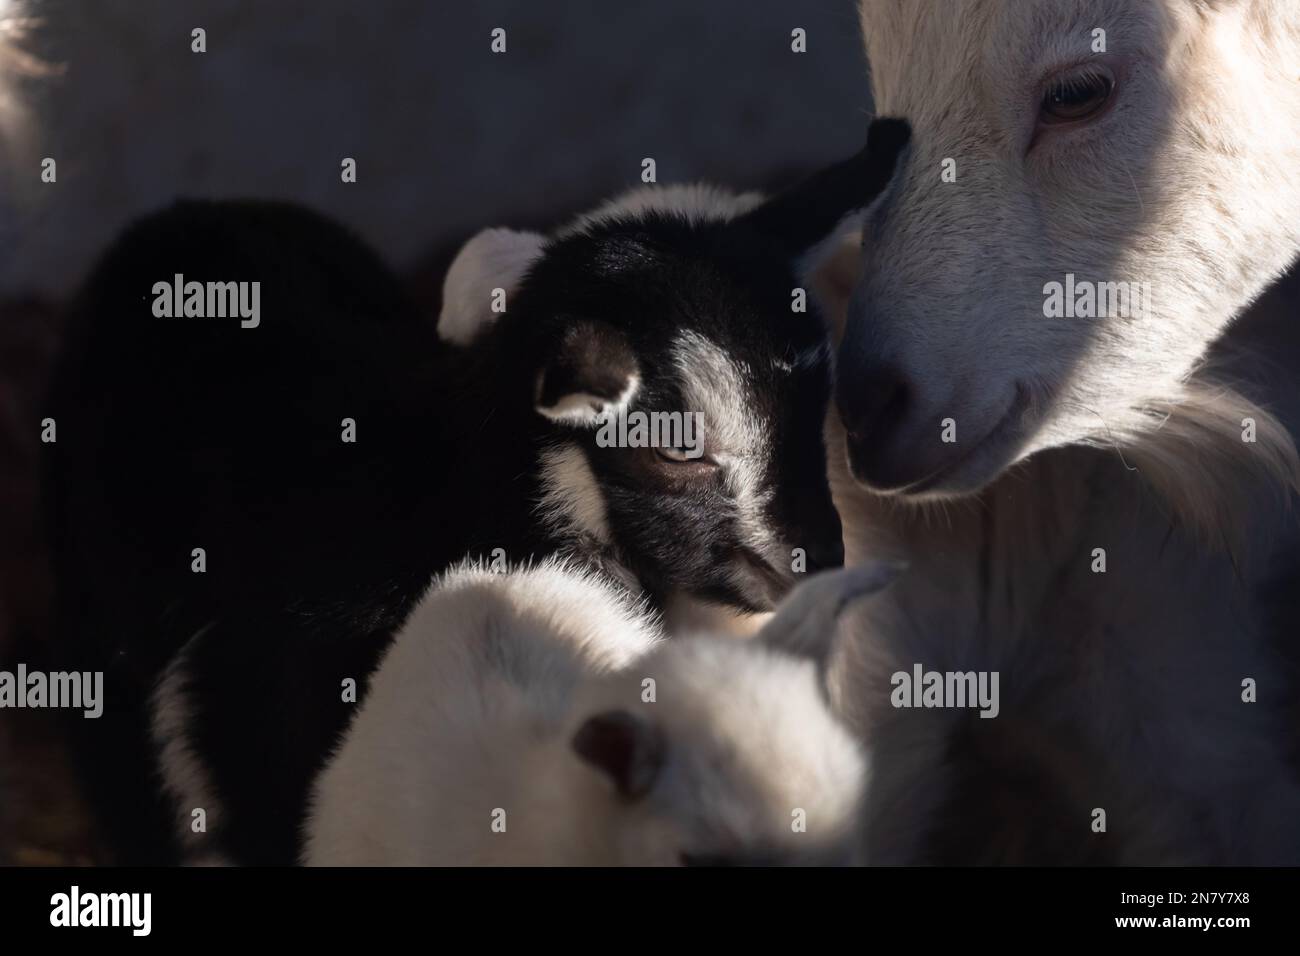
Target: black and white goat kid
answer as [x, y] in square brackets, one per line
[244, 516]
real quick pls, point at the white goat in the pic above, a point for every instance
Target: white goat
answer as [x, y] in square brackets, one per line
[1116, 593]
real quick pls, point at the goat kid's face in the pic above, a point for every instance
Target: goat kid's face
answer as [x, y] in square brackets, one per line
[684, 393]
[1145, 154]
[686, 399]
[741, 745]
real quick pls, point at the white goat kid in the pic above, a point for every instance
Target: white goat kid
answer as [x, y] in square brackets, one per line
[1137, 675]
[1171, 161]
[539, 717]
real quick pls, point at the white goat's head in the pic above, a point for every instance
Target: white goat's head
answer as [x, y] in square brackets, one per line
[1164, 152]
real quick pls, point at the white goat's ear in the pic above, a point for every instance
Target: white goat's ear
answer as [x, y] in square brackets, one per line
[807, 621]
[591, 373]
[493, 259]
[627, 748]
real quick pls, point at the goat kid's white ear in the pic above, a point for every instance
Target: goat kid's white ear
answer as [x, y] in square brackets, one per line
[807, 622]
[589, 375]
[493, 259]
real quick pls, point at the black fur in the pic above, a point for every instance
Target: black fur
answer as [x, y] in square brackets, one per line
[643, 279]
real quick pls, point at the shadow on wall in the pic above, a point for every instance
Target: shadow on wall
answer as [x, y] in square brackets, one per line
[448, 136]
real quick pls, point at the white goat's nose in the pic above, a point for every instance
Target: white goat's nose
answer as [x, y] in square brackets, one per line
[872, 399]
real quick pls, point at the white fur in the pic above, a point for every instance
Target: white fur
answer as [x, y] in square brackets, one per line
[499, 258]
[716, 385]
[583, 410]
[1140, 666]
[572, 503]
[695, 202]
[492, 259]
[184, 777]
[19, 23]
[1191, 184]
[474, 708]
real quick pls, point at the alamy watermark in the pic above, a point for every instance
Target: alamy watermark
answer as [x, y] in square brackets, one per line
[680, 431]
[955, 689]
[208, 300]
[74, 690]
[1083, 299]
[133, 911]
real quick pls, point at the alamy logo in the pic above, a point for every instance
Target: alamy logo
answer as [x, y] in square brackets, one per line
[208, 300]
[74, 908]
[679, 431]
[958, 689]
[75, 690]
[1095, 300]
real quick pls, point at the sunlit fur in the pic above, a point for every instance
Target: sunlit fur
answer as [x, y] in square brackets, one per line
[1121, 690]
[473, 713]
[1191, 183]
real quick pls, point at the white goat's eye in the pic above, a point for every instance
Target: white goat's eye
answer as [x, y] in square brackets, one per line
[1076, 96]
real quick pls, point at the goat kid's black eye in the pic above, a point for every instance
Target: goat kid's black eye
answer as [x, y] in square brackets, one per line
[1076, 97]
[682, 456]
